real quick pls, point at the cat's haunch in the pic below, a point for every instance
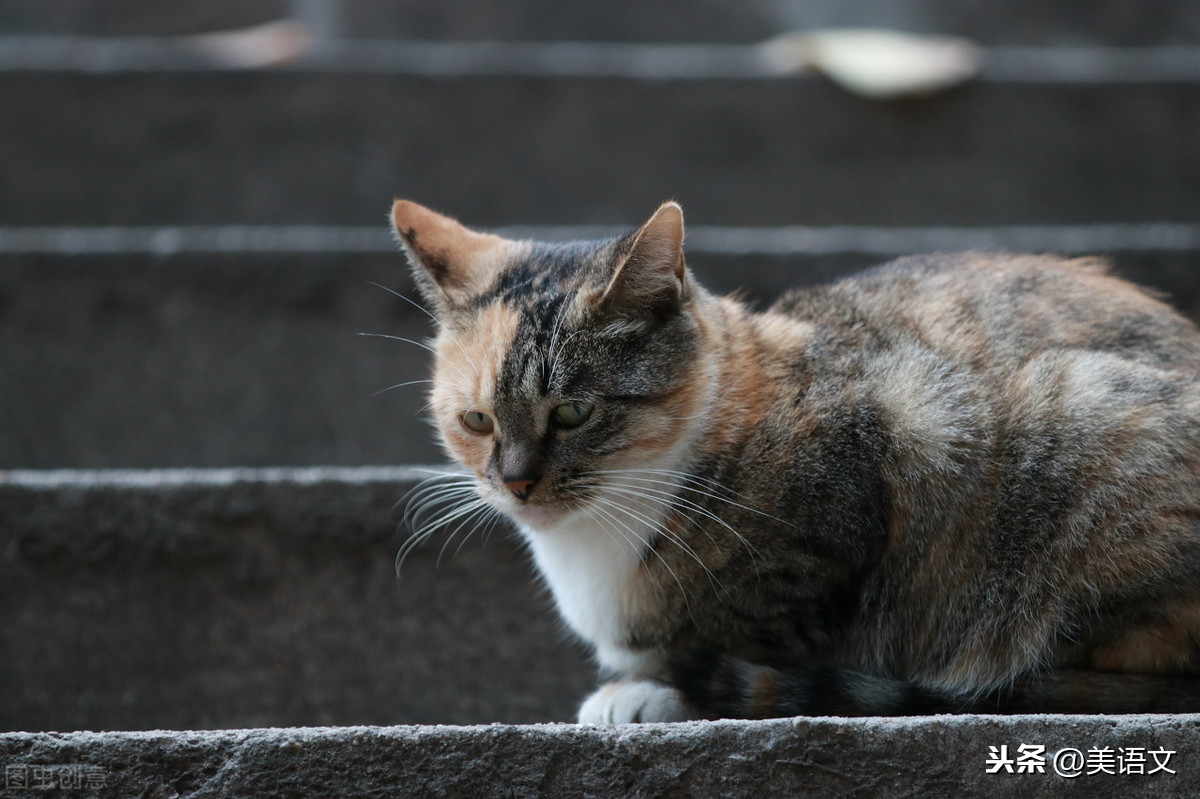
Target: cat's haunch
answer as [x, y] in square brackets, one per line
[951, 483]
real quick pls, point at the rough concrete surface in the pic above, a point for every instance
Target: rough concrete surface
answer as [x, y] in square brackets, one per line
[824, 757]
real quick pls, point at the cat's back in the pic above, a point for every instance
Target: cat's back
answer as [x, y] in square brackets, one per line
[1043, 416]
[994, 310]
[1026, 380]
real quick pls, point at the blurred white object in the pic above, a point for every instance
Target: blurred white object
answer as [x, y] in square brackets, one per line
[271, 43]
[878, 64]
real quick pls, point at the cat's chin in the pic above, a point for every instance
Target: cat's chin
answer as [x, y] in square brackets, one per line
[540, 517]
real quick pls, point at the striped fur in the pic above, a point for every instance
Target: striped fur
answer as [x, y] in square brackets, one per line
[951, 483]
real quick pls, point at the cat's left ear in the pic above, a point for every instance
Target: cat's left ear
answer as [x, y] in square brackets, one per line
[451, 263]
[652, 278]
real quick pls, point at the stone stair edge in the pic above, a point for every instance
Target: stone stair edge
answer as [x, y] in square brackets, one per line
[94, 515]
[926, 756]
[897, 724]
[709, 239]
[166, 478]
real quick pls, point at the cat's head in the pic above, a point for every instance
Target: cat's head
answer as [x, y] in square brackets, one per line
[555, 364]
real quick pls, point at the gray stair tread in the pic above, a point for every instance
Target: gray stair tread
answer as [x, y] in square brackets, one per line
[821, 757]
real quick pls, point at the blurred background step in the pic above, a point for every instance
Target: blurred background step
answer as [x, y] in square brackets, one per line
[1016, 22]
[333, 147]
[241, 346]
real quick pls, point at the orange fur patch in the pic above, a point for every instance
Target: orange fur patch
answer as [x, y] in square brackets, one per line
[748, 391]
[466, 370]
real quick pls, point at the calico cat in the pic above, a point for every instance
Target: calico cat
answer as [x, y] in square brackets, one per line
[952, 483]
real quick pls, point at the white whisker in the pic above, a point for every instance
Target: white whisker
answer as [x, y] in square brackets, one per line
[633, 474]
[400, 385]
[414, 342]
[425, 311]
[603, 505]
[676, 502]
[429, 483]
[411, 302]
[489, 518]
[666, 498]
[419, 519]
[461, 512]
[554, 356]
[473, 519]
[551, 352]
[693, 479]
[661, 528]
[443, 499]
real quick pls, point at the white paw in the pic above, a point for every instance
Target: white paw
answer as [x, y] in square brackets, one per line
[633, 702]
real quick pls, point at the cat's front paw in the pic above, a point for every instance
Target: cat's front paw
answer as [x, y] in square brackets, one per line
[634, 702]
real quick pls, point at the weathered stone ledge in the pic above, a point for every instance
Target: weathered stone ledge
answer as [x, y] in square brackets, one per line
[936, 756]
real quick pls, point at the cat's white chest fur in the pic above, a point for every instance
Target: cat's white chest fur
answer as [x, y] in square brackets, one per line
[588, 566]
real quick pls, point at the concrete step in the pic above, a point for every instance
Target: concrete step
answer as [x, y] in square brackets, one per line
[254, 598]
[215, 600]
[922, 757]
[239, 346]
[563, 135]
[1019, 21]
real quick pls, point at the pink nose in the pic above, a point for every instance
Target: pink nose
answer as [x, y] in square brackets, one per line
[520, 488]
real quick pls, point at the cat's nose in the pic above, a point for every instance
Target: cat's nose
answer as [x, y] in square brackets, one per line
[521, 487]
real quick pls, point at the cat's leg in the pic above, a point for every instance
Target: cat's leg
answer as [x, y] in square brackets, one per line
[634, 701]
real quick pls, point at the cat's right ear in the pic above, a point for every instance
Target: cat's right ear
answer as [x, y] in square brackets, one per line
[451, 263]
[651, 280]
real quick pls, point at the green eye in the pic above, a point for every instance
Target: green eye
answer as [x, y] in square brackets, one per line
[478, 422]
[572, 414]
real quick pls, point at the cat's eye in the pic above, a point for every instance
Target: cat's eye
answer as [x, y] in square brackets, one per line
[572, 414]
[478, 422]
